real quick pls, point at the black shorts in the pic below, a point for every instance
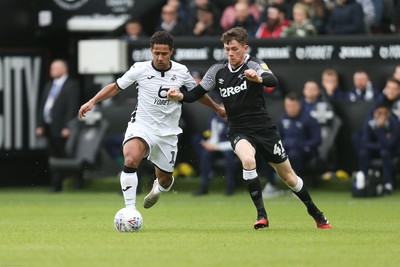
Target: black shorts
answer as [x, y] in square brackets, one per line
[267, 144]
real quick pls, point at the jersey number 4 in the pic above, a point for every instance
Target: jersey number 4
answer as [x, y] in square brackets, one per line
[278, 149]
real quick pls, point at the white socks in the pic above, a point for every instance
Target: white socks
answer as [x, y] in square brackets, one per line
[158, 189]
[298, 186]
[129, 182]
[249, 174]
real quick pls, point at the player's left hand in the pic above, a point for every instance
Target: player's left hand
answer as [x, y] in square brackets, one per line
[252, 75]
[221, 111]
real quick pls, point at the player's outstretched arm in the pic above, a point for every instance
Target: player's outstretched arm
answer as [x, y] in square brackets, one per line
[108, 91]
[219, 109]
[185, 95]
[197, 93]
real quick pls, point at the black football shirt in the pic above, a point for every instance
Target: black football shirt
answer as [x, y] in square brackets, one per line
[243, 100]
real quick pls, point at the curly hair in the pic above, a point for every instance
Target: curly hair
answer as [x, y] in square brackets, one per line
[162, 37]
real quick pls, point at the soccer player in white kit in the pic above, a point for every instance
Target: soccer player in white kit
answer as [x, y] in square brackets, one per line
[153, 130]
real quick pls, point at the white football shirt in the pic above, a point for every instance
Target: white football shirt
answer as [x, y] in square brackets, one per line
[154, 110]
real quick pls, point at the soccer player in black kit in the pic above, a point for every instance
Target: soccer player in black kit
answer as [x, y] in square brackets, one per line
[240, 80]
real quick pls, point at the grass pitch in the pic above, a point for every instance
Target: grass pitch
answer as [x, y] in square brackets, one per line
[76, 229]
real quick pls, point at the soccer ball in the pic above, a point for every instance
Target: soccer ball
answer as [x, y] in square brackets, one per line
[128, 220]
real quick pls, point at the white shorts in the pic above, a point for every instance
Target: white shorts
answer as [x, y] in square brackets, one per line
[162, 149]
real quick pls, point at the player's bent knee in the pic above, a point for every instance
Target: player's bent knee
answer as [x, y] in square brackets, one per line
[248, 163]
[131, 162]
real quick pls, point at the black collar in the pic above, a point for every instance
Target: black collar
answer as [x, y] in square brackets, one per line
[162, 71]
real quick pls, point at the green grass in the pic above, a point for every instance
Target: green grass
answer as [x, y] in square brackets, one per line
[76, 229]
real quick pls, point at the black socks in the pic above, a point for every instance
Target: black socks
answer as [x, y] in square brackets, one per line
[306, 199]
[254, 188]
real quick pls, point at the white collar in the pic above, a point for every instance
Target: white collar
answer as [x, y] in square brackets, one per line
[60, 81]
[238, 68]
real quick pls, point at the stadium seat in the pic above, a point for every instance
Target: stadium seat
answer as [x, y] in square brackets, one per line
[82, 147]
[353, 116]
[328, 134]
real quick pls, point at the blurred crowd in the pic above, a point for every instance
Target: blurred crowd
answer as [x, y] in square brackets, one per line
[274, 18]
[309, 124]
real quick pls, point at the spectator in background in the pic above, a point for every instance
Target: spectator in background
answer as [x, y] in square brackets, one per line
[347, 17]
[193, 10]
[286, 4]
[244, 19]
[180, 6]
[261, 6]
[370, 16]
[330, 85]
[207, 21]
[58, 106]
[390, 96]
[380, 137]
[317, 13]
[363, 90]
[311, 95]
[318, 107]
[170, 21]
[300, 133]
[133, 30]
[275, 22]
[215, 143]
[229, 14]
[301, 26]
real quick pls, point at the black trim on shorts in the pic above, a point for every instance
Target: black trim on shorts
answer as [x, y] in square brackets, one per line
[162, 169]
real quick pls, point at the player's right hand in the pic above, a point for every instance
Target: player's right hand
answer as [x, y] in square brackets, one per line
[85, 108]
[174, 94]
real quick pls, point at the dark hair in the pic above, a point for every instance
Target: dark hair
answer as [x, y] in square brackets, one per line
[393, 80]
[293, 96]
[207, 7]
[238, 33]
[129, 21]
[162, 37]
[280, 7]
[382, 105]
[360, 71]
